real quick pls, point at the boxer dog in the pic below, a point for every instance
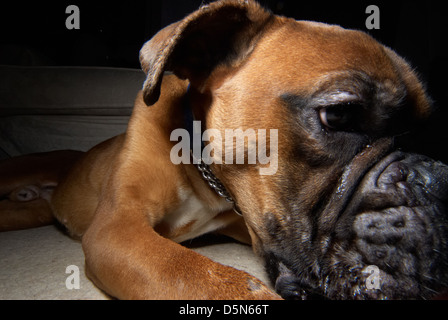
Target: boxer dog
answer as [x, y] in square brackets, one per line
[344, 215]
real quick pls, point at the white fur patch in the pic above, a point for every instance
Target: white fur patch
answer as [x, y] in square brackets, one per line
[192, 209]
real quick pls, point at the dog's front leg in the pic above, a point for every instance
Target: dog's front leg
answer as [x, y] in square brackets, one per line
[126, 258]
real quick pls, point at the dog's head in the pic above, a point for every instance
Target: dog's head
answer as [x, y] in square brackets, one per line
[342, 214]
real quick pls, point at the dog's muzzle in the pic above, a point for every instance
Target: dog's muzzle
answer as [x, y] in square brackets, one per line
[389, 241]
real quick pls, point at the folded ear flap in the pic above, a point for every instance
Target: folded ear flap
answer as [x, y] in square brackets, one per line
[222, 32]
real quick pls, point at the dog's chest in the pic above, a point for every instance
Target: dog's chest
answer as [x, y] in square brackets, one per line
[192, 218]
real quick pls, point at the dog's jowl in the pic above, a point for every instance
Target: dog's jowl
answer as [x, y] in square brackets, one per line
[344, 215]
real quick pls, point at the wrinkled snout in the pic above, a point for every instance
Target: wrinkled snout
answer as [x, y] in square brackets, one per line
[393, 233]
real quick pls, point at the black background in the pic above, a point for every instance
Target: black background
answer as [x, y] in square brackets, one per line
[111, 34]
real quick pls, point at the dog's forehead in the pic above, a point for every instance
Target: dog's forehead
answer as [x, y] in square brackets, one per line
[310, 60]
[306, 51]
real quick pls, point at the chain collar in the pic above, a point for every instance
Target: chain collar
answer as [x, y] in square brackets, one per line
[216, 184]
[204, 168]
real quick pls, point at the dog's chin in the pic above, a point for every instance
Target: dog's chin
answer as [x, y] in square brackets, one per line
[388, 242]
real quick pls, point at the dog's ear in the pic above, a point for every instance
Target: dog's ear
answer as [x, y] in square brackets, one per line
[222, 32]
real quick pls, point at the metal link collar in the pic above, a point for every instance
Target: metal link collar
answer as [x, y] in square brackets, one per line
[216, 184]
[204, 168]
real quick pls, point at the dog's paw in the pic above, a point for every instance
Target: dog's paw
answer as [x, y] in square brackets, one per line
[259, 291]
[233, 284]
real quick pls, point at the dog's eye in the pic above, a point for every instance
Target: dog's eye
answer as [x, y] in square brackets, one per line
[338, 117]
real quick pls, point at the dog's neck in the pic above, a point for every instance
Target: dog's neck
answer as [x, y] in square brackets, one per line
[204, 169]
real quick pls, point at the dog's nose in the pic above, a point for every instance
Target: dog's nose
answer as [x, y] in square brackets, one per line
[387, 237]
[397, 212]
[394, 173]
[399, 223]
[390, 226]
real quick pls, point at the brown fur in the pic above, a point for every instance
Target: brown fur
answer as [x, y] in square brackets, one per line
[123, 195]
